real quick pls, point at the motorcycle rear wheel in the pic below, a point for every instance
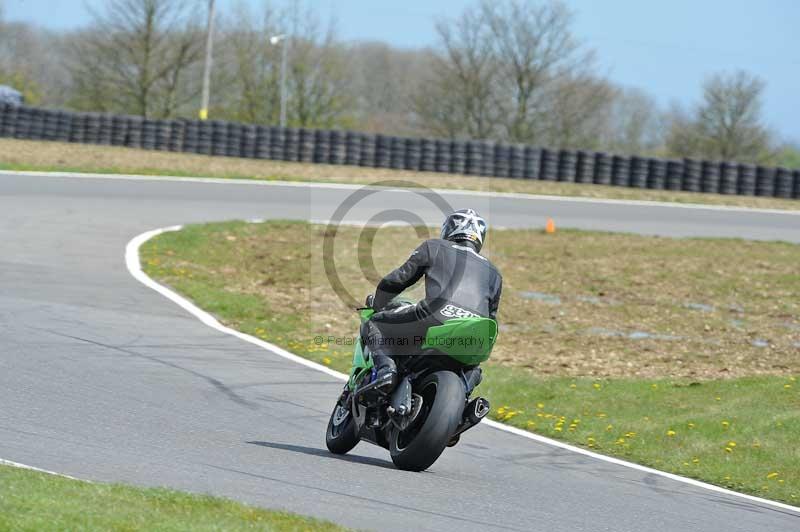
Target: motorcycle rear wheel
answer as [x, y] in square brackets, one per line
[417, 447]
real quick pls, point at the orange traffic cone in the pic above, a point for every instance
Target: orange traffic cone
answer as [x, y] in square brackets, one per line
[550, 227]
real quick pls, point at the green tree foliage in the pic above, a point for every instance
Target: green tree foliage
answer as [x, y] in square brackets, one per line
[30, 90]
[788, 155]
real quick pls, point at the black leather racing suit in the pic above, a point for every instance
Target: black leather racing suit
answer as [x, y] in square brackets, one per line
[458, 283]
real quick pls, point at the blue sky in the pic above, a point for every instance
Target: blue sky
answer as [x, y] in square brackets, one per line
[666, 47]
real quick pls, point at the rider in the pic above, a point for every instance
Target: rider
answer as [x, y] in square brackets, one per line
[459, 282]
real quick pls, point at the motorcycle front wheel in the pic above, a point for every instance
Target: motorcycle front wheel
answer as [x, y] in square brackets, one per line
[418, 446]
[341, 435]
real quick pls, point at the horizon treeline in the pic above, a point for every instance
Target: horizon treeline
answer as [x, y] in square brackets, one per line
[505, 70]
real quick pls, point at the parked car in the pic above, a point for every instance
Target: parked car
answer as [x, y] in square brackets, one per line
[10, 96]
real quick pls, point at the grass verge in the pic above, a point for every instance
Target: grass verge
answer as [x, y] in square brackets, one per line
[678, 354]
[56, 156]
[30, 500]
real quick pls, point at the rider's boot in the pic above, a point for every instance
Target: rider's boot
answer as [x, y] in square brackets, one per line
[386, 371]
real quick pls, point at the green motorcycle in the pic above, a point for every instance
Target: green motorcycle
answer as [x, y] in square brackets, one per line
[430, 406]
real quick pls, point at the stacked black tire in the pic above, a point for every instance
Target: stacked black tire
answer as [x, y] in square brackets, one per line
[473, 157]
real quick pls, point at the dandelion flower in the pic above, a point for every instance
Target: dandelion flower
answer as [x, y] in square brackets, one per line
[609, 427]
[726, 424]
[539, 405]
[597, 386]
[654, 386]
[691, 425]
[573, 385]
[731, 444]
[772, 475]
[787, 385]
[670, 433]
[695, 460]
[326, 361]
[728, 450]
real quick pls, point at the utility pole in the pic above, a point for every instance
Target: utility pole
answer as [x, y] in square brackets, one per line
[207, 66]
[274, 40]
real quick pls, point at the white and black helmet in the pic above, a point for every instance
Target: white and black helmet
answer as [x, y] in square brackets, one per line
[465, 225]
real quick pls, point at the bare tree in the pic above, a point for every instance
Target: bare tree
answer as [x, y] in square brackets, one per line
[512, 70]
[537, 53]
[383, 83]
[729, 119]
[576, 114]
[29, 61]
[137, 57]
[460, 98]
[13, 72]
[682, 134]
[254, 66]
[635, 125]
[318, 73]
[726, 125]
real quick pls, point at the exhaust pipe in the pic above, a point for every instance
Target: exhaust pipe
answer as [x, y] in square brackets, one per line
[475, 410]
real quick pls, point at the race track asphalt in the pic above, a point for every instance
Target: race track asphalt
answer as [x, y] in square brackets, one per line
[104, 379]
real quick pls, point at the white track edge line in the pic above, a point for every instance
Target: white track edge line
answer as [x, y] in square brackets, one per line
[346, 186]
[134, 267]
[37, 469]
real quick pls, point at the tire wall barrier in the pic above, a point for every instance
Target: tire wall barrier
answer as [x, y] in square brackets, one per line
[471, 157]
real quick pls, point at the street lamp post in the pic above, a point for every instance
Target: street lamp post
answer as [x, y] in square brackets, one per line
[274, 40]
[207, 66]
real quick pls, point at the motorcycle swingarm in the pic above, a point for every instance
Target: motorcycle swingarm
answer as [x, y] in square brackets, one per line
[375, 437]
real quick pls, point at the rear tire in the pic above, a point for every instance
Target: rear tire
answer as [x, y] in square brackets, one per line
[341, 436]
[421, 444]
